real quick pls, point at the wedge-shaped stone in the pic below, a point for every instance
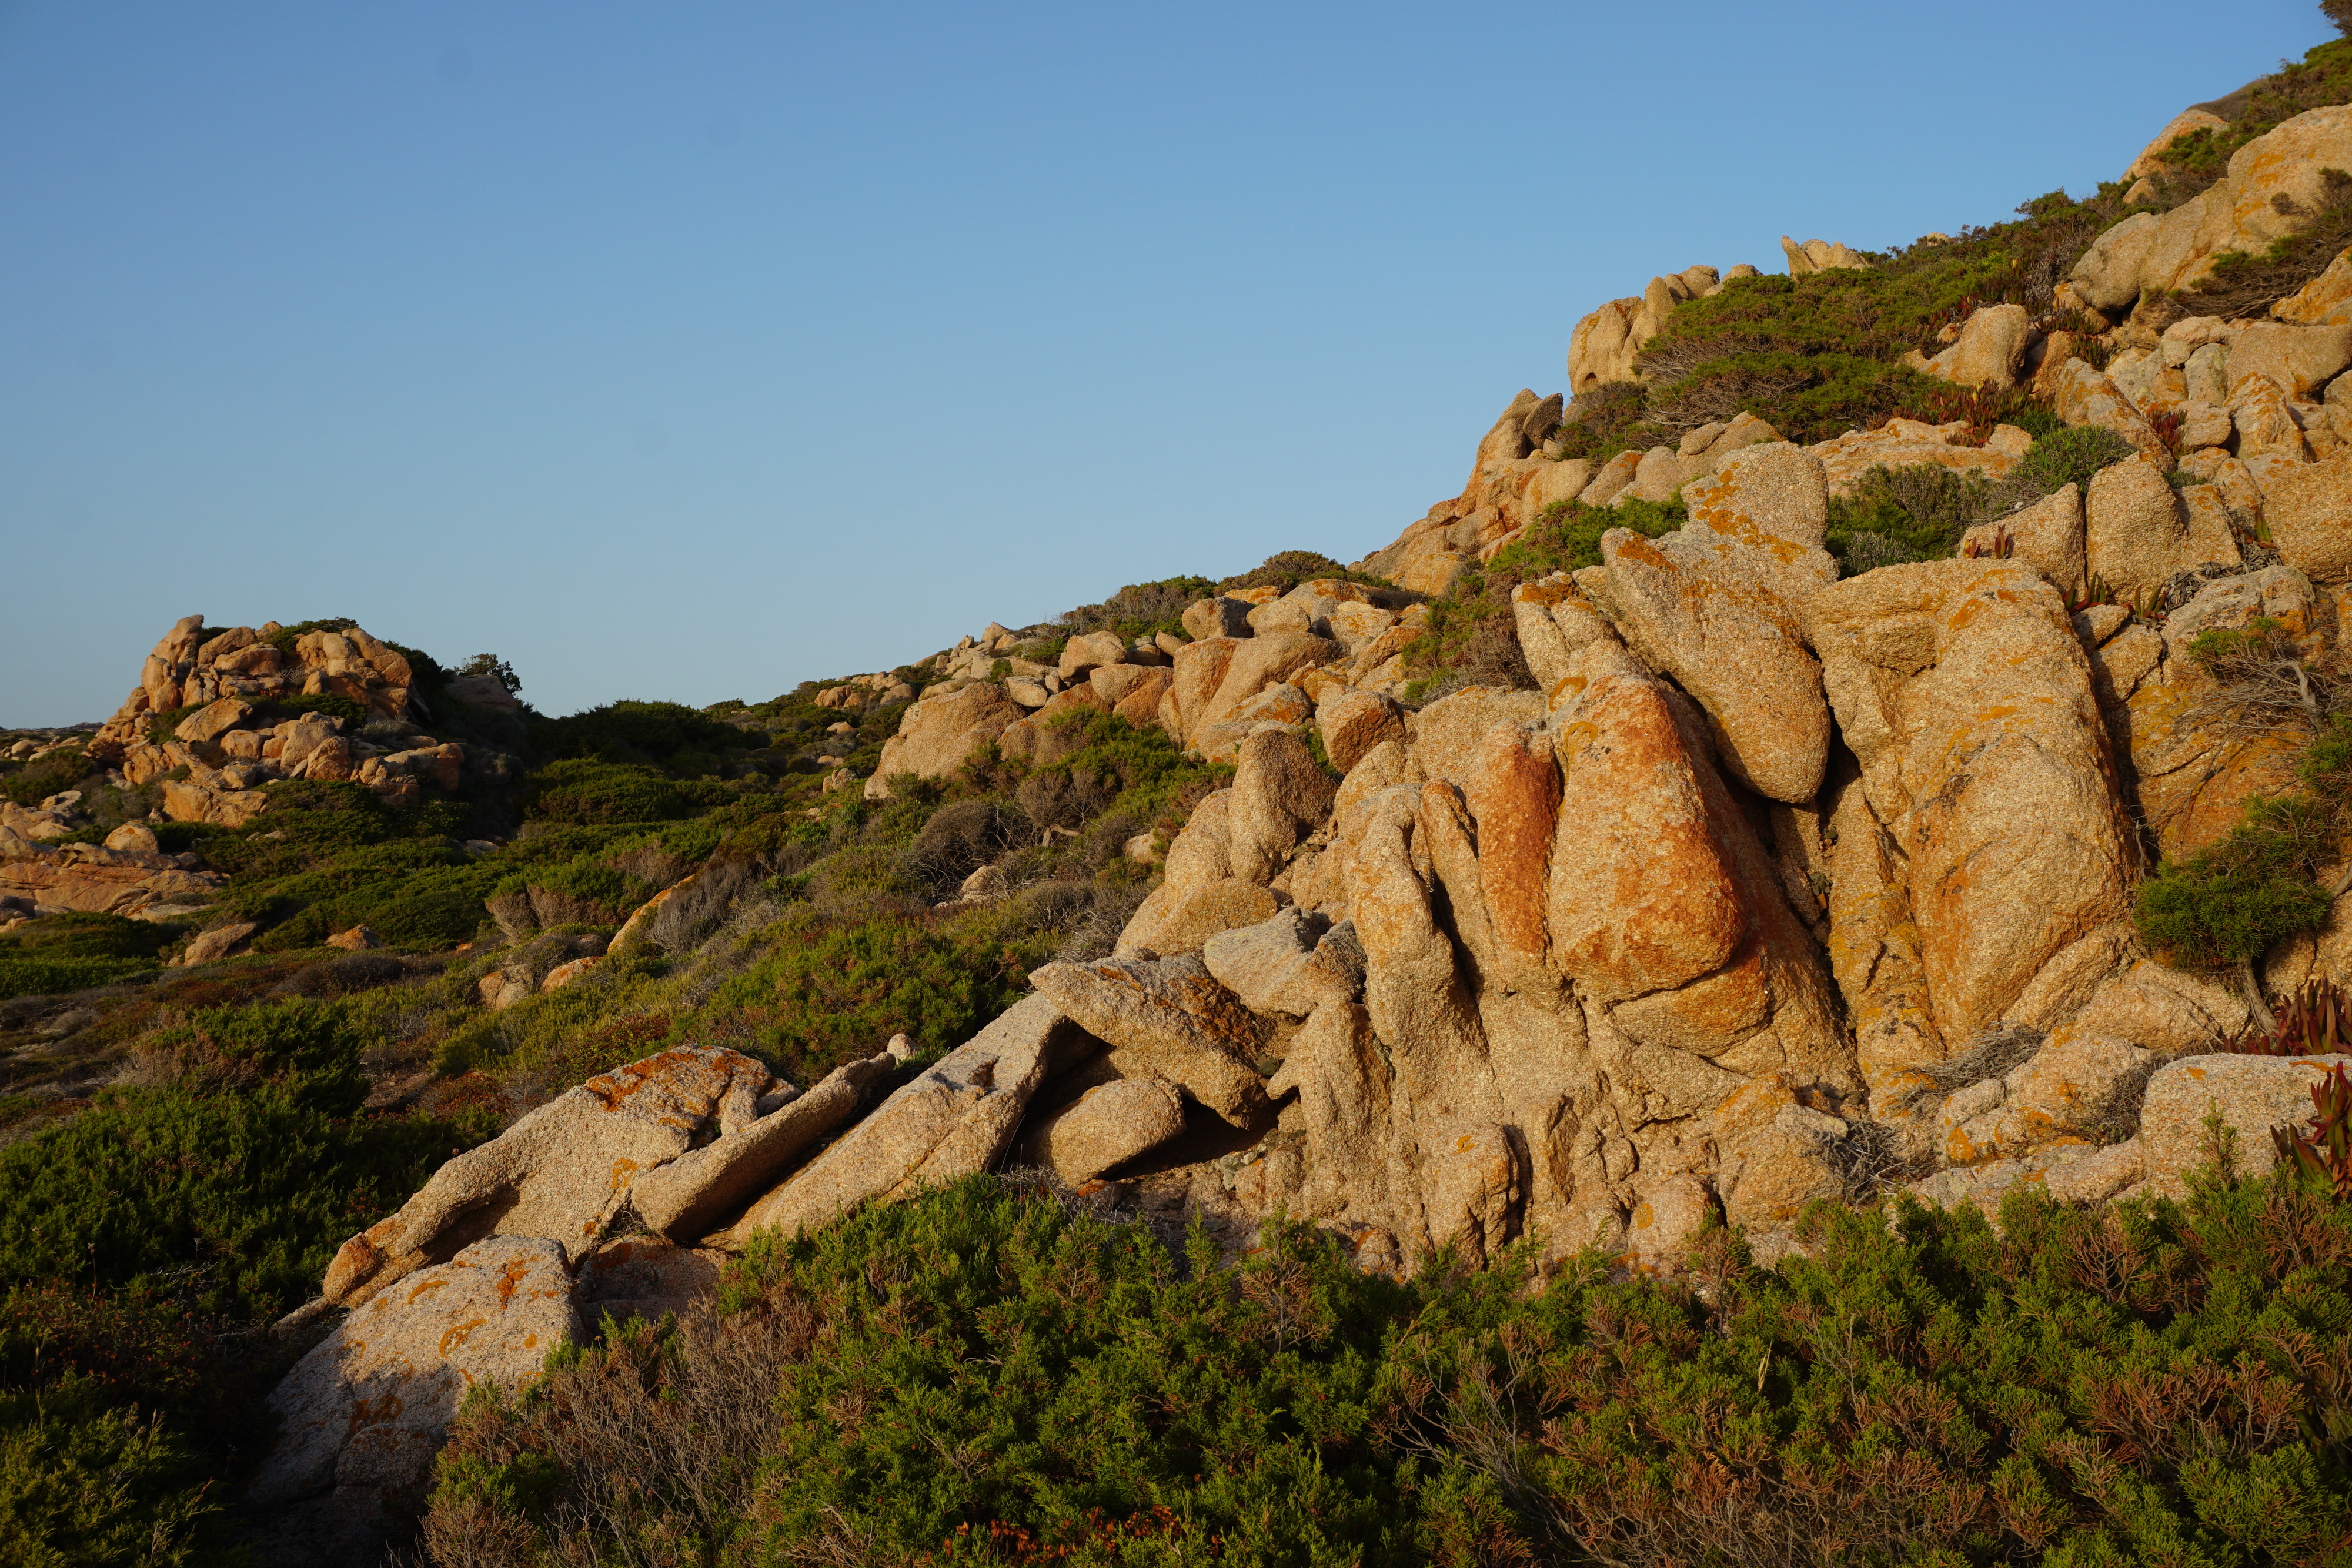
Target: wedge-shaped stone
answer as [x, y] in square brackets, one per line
[1642, 895]
[1287, 964]
[1172, 1016]
[1719, 616]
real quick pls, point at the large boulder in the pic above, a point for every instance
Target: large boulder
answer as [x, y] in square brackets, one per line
[1987, 353]
[938, 734]
[1984, 834]
[2309, 511]
[561, 1173]
[362, 1415]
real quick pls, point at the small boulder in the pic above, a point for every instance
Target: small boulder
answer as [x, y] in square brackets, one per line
[1110, 1123]
[358, 939]
[134, 838]
[217, 942]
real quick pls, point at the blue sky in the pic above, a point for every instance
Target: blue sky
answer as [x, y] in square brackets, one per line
[693, 350]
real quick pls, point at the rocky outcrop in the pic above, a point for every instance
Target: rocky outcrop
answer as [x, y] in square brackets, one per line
[214, 762]
[563, 1172]
[1819, 255]
[2272, 182]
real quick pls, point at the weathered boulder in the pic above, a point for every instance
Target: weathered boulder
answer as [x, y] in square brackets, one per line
[1171, 1016]
[362, 1415]
[2135, 531]
[939, 733]
[1279, 795]
[1110, 1123]
[2047, 536]
[2309, 511]
[1554, 620]
[563, 1172]
[2196, 761]
[1353, 722]
[1991, 347]
[1985, 834]
[1088, 652]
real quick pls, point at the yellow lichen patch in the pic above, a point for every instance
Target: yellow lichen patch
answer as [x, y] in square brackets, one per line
[624, 1170]
[458, 1333]
[427, 1286]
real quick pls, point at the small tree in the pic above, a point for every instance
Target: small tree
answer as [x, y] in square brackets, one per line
[498, 670]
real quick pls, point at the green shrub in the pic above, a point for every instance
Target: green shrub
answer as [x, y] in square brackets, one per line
[235, 1184]
[86, 1484]
[2071, 456]
[30, 783]
[1141, 609]
[824, 994]
[2232, 901]
[590, 792]
[73, 951]
[649, 734]
[1285, 569]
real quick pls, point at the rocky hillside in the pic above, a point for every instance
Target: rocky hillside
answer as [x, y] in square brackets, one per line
[1863, 767]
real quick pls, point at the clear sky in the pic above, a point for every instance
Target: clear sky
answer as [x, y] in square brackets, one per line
[692, 350]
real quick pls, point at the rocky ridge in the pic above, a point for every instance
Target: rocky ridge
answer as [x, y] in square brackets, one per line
[1775, 885]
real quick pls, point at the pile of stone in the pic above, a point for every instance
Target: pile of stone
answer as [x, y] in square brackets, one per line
[215, 760]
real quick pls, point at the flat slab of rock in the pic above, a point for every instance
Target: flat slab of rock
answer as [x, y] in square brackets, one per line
[363, 1415]
[562, 1172]
[1174, 1016]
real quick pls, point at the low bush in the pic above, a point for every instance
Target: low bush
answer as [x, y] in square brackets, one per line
[73, 951]
[2228, 904]
[234, 1188]
[1285, 569]
[993, 1374]
[1141, 609]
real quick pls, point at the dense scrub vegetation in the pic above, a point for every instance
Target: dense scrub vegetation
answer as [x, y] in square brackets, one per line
[995, 1374]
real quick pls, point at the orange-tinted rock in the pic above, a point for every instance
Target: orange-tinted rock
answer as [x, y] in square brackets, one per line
[1641, 897]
